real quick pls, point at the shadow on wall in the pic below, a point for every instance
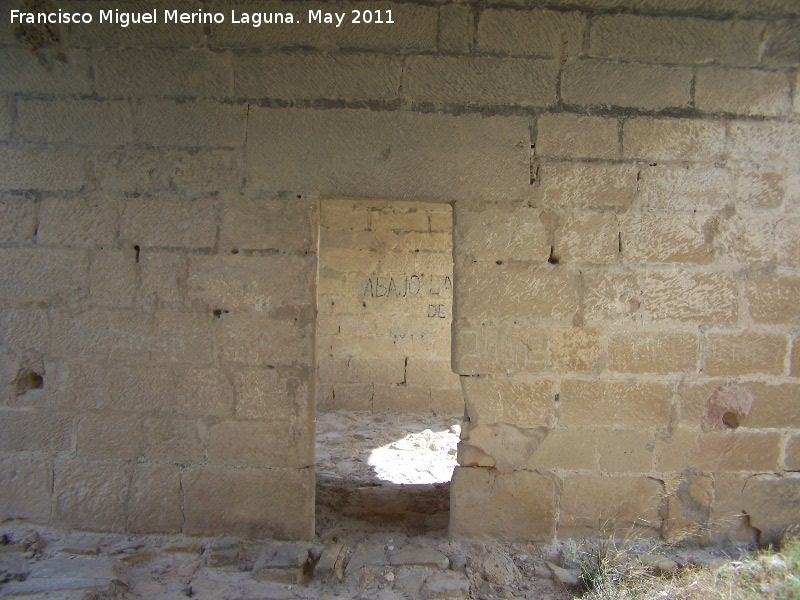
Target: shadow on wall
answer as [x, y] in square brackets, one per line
[392, 475]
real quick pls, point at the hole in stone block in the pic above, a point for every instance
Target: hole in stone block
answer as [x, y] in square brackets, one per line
[27, 380]
[553, 258]
[731, 419]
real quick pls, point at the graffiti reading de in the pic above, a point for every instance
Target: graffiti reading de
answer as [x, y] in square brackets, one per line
[415, 285]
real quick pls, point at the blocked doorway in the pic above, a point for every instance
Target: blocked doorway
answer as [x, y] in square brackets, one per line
[389, 406]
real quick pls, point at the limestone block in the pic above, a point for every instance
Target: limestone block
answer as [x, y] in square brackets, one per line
[744, 354]
[447, 401]
[344, 214]
[455, 29]
[745, 239]
[689, 297]
[696, 140]
[400, 399]
[509, 448]
[259, 341]
[44, 275]
[575, 348]
[183, 337]
[787, 242]
[679, 188]
[140, 388]
[202, 123]
[24, 74]
[498, 347]
[155, 499]
[91, 495]
[6, 118]
[719, 451]
[657, 238]
[773, 298]
[568, 449]
[791, 460]
[281, 395]
[726, 407]
[728, 519]
[368, 153]
[587, 237]
[41, 168]
[773, 505]
[586, 186]
[795, 365]
[173, 440]
[742, 92]
[687, 510]
[676, 40]
[352, 396]
[515, 290]
[432, 373]
[603, 506]
[414, 28]
[254, 224]
[24, 328]
[113, 278]
[610, 404]
[796, 106]
[153, 170]
[611, 295]
[774, 406]
[625, 451]
[17, 223]
[26, 491]
[540, 33]
[204, 393]
[512, 506]
[35, 431]
[524, 402]
[481, 80]
[781, 47]
[249, 502]
[81, 122]
[83, 221]
[261, 444]
[186, 224]
[716, 8]
[179, 73]
[574, 136]
[109, 436]
[641, 352]
[772, 143]
[757, 190]
[649, 87]
[326, 76]
[400, 218]
[269, 285]
[499, 232]
[163, 275]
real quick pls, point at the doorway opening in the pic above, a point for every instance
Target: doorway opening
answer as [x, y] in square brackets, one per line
[389, 407]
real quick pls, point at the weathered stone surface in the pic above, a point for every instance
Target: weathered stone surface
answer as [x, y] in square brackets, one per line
[639, 352]
[445, 585]
[586, 186]
[339, 164]
[787, 242]
[25, 75]
[689, 297]
[587, 237]
[678, 188]
[728, 519]
[91, 495]
[43, 275]
[676, 40]
[746, 353]
[113, 278]
[524, 506]
[773, 505]
[35, 431]
[791, 459]
[109, 435]
[493, 399]
[190, 124]
[764, 142]
[718, 451]
[367, 554]
[539, 33]
[726, 407]
[330, 76]
[572, 136]
[507, 447]
[481, 80]
[26, 491]
[774, 406]
[249, 502]
[743, 92]
[660, 238]
[260, 444]
[455, 23]
[745, 240]
[609, 506]
[673, 139]
[169, 223]
[490, 232]
[155, 501]
[773, 298]
[575, 349]
[255, 224]
[418, 556]
[47, 121]
[78, 221]
[757, 190]
[636, 405]
[625, 451]
[17, 224]
[172, 440]
[600, 83]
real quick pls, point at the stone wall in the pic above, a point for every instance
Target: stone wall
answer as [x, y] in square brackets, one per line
[384, 308]
[626, 192]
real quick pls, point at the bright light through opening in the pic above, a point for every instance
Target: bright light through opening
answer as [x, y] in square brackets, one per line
[419, 458]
